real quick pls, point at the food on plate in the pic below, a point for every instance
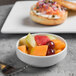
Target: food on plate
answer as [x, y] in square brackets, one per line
[67, 4]
[41, 45]
[48, 13]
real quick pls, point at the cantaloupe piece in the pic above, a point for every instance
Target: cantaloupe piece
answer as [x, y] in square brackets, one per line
[39, 50]
[29, 50]
[57, 51]
[59, 44]
[22, 48]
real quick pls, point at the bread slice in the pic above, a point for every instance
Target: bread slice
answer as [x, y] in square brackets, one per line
[47, 21]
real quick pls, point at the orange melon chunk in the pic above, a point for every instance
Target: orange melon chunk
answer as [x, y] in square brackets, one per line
[39, 50]
[59, 44]
[22, 48]
[57, 51]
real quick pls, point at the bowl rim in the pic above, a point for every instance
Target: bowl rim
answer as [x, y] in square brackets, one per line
[43, 56]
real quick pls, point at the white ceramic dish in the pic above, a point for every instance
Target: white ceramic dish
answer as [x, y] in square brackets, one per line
[18, 21]
[41, 61]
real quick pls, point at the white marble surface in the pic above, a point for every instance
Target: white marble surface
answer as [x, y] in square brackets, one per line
[66, 67]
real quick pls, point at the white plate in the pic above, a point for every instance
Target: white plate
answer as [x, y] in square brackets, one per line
[19, 21]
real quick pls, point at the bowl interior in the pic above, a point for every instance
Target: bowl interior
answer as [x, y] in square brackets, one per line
[58, 37]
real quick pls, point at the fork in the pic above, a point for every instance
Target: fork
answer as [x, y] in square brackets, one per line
[9, 70]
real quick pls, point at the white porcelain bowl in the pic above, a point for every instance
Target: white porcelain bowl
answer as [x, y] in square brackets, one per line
[42, 61]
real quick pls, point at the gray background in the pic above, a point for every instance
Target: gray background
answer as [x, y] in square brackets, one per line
[3, 2]
[66, 67]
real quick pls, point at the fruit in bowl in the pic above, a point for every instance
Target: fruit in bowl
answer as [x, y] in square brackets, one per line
[41, 49]
[41, 45]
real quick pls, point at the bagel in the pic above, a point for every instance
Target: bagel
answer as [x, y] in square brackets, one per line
[47, 21]
[67, 4]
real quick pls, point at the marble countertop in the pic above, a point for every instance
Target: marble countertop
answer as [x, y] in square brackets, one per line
[66, 67]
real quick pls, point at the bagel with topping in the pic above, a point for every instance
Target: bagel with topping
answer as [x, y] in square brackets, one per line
[48, 13]
[67, 4]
